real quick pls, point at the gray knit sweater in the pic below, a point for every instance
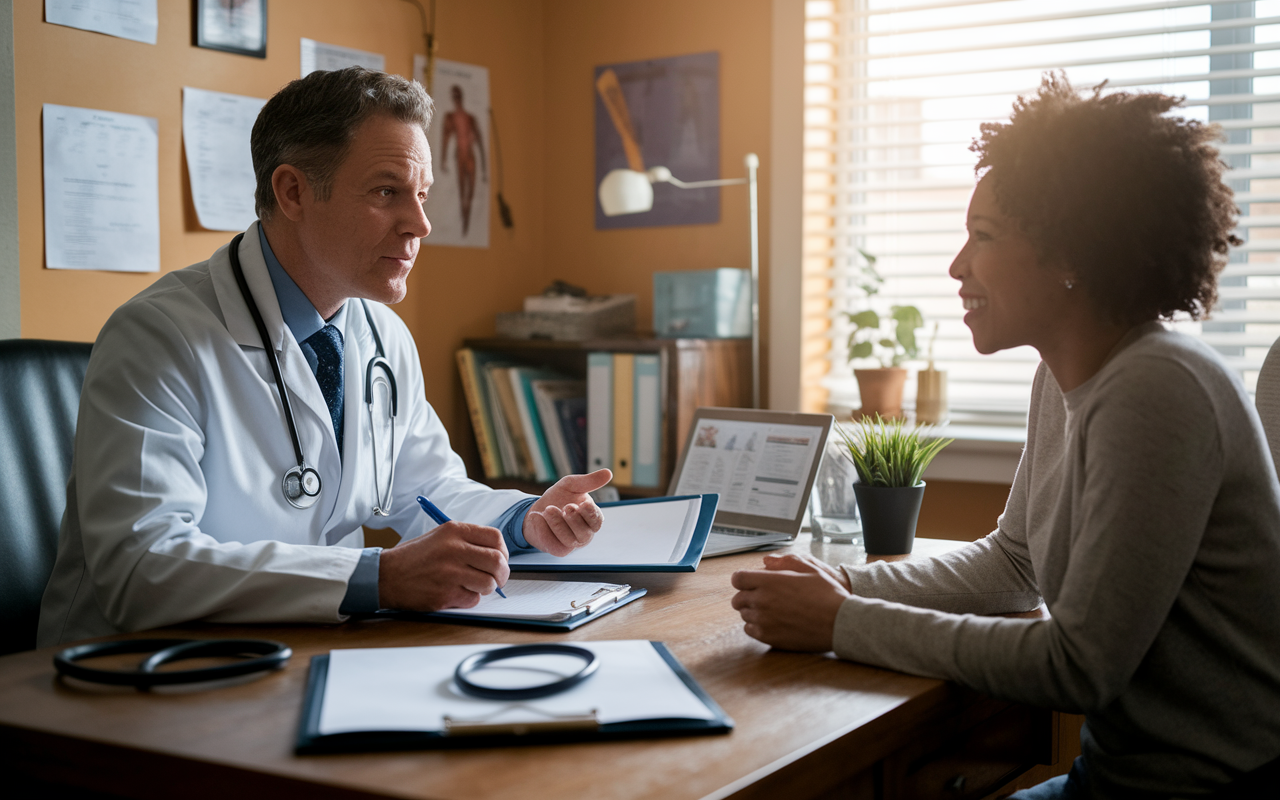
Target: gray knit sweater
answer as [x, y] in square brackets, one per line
[1146, 514]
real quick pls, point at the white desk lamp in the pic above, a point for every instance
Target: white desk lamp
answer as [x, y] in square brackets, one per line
[628, 191]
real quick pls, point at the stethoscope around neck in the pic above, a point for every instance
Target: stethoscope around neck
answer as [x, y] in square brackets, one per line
[301, 484]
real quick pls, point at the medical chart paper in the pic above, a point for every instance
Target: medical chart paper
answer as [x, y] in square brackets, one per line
[412, 689]
[318, 55]
[537, 599]
[215, 136]
[757, 468]
[127, 19]
[101, 190]
[640, 533]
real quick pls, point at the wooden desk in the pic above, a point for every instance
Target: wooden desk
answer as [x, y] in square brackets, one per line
[807, 725]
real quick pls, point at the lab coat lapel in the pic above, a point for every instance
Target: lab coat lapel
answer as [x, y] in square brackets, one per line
[311, 413]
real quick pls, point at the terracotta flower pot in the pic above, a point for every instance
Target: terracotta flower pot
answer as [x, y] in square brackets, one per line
[881, 391]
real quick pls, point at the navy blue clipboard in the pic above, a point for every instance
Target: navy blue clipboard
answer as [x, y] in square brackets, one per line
[563, 626]
[693, 555]
[312, 742]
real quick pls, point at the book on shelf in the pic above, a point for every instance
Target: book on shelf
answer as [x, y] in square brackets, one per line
[508, 411]
[479, 406]
[548, 393]
[522, 379]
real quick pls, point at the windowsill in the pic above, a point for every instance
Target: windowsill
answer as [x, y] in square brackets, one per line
[979, 454]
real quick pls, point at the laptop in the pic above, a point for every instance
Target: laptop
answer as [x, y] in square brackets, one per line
[761, 463]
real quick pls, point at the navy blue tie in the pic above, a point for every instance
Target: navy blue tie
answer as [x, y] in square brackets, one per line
[327, 344]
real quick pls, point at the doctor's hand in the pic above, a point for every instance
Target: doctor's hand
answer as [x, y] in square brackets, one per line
[448, 567]
[565, 517]
[792, 603]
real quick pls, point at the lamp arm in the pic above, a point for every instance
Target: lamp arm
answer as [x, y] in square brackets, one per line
[674, 181]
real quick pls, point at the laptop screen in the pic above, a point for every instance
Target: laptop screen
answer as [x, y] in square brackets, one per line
[761, 463]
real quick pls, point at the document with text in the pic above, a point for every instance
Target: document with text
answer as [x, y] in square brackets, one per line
[101, 190]
[127, 19]
[215, 137]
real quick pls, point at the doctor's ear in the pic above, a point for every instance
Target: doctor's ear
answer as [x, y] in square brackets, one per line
[291, 188]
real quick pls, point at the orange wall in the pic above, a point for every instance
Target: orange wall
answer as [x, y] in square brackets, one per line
[55, 64]
[540, 54]
[582, 34]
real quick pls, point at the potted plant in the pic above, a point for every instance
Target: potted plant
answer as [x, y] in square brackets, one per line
[890, 460]
[890, 339]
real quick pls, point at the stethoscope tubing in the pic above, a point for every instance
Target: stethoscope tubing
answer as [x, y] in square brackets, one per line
[270, 655]
[297, 489]
[477, 661]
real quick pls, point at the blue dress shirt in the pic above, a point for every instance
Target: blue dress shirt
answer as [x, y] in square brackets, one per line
[303, 320]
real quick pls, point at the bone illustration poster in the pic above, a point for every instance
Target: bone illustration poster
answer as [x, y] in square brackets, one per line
[664, 112]
[458, 202]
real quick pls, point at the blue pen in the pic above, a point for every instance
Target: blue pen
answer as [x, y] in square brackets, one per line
[440, 519]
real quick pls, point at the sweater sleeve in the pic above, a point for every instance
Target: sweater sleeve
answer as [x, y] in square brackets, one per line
[991, 576]
[1149, 467]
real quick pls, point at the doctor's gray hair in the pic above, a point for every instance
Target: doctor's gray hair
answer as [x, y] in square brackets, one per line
[310, 122]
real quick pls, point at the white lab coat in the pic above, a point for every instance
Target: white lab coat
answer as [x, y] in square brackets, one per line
[174, 507]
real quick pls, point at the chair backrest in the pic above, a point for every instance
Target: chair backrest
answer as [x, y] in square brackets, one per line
[39, 399]
[1268, 399]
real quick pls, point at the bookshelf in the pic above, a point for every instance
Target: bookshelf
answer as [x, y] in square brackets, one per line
[695, 372]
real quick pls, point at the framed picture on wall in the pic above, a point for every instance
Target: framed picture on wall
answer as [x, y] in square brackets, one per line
[233, 26]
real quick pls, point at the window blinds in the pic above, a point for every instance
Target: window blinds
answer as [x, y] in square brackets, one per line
[894, 93]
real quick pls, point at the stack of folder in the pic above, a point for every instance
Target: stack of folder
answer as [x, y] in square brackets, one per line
[624, 416]
[529, 422]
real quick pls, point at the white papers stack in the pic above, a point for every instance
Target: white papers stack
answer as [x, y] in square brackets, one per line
[412, 689]
[553, 601]
[632, 534]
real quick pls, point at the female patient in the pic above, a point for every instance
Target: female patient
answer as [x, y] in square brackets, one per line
[1145, 511]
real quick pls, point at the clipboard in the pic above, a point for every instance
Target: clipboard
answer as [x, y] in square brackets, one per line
[562, 626]
[578, 728]
[687, 562]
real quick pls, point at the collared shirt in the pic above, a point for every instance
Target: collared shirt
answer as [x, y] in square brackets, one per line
[303, 320]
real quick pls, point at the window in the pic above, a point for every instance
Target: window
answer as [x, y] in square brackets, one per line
[894, 93]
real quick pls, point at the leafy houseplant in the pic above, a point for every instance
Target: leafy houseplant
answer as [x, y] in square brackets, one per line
[890, 460]
[890, 339]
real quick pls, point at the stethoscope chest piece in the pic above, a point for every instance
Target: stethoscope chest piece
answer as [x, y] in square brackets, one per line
[301, 486]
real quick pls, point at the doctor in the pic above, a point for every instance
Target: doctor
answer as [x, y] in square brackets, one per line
[198, 491]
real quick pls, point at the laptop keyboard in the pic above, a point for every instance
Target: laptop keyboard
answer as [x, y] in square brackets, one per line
[737, 531]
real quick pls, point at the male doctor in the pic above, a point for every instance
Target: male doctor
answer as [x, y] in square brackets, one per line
[179, 507]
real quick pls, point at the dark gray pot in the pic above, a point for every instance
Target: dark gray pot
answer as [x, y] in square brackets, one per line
[889, 515]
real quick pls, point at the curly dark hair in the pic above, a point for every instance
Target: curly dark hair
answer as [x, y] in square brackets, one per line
[1129, 201]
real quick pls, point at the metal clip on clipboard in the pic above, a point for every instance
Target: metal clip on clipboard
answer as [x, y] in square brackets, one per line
[601, 598]
[589, 721]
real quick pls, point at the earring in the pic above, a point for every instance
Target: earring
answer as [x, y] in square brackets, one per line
[1067, 282]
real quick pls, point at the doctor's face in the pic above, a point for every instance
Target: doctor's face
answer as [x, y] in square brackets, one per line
[365, 237]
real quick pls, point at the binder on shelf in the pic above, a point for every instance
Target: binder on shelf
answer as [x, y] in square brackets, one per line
[539, 605]
[386, 698]
[475, 389]
[647, 412]
[660, 534]
[623, 417]
[599, 411]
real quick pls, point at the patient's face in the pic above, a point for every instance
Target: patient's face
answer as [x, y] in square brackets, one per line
[364, 239]
[1010, 297]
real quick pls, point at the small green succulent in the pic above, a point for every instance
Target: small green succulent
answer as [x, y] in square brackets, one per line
[887, 453]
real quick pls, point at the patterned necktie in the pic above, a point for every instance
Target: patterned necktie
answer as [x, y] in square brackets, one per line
[327, 344]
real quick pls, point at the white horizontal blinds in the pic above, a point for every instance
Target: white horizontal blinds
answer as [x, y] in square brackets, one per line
[895, 91]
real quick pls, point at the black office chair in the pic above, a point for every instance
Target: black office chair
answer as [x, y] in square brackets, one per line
[39, 399]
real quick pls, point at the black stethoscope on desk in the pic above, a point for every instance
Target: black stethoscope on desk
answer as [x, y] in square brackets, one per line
[257, 655]
[301, 484]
